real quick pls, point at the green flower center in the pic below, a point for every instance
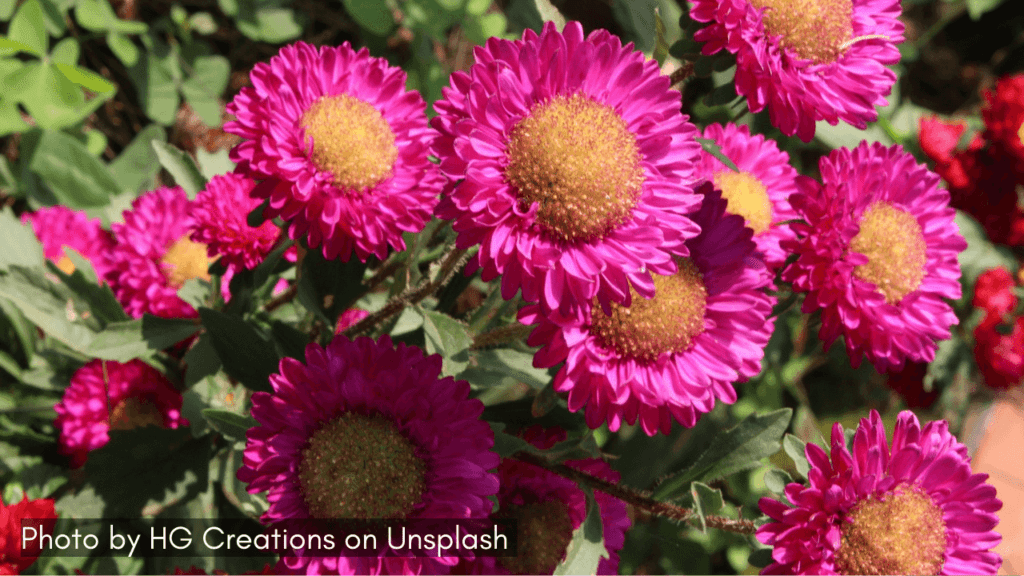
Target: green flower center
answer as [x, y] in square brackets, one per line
[358, 466]
[579, 161]
[893, 242]
[746, 196]
[666, 323]
[351, 140]
[902, 533]
[185, 260]
[135, 412]
[817, 30]
[545, 531]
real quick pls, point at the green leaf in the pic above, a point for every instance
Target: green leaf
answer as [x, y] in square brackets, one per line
[86, 78]
[739, 448]
[148, 466]
[122, 47]
[796, 449]
[20, 245]
[976, 8]
[50, 98]
[82, 282]
[247, 356]
[46, 305]
[124, 341]
[28, 27]
[712, 147]
[138, 164]
[776, 480]
[329, 287]
[506, 445]
[449, 338]
[760, 558]
[660, 43]
[66, 52]
[154, 78]
[204, 87]
[637, 20]
[181, 166]
[291, 342]
[76, 178]
[981, 254]
[276, 25]
[99, 16]
[200, 360]
[232, 425]
[496, 366]
[10, 122]
[586, 549]
[6, 9]
[549, 13]
[706, 500]
[375, 17]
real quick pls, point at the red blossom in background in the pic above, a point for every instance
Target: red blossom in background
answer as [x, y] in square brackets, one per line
[13, 558]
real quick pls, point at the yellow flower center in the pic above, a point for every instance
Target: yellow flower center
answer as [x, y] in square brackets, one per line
[65, 265]
[746, 196]
[359, 466]
[545, 531]
[816, 30]
[185, 260]
[666, 323]
[133, 413]
[351, 140]
[894, 243]
[579, 161]
[901, 534]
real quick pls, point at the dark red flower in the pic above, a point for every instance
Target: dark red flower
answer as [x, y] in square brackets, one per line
[1004, 119]
[13, 558]
[1000, 356]
[910, 385]
[993, 292]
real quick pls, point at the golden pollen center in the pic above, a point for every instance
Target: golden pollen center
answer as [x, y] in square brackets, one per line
[894, 243]
[816, 30]
[902, 534]
[65, 265]
[666, 323]
[135, 413]
[545, 531]
[578, 160]
[746, 196]
[359, 466]
[351, 140]
[185, 260]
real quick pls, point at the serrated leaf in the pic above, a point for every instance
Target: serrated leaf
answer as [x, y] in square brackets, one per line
[739, 448]
[706, 501]
[712, 147]
[75, 176]
[232, 425]
[181, 166]
[449, 338]
[586, 549]
[246, 355]
[796, 449]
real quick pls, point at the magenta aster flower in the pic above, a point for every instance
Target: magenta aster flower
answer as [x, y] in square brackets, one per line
[58, 226]
[154, 255]
[221, 212]
[569, 164]
[110, 395]
[548, 508]
[341, 146]
[353, 403]
[877, 255]
[807, 61]
[674, 354]
[910, 508]
[759, 191]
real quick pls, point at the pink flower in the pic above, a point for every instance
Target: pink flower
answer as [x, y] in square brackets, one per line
[364, 401]
[341, 148]
[58, 226]
[912, 507]
[877, 255]
[570, 165]
[807, 62]
[110, 395]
